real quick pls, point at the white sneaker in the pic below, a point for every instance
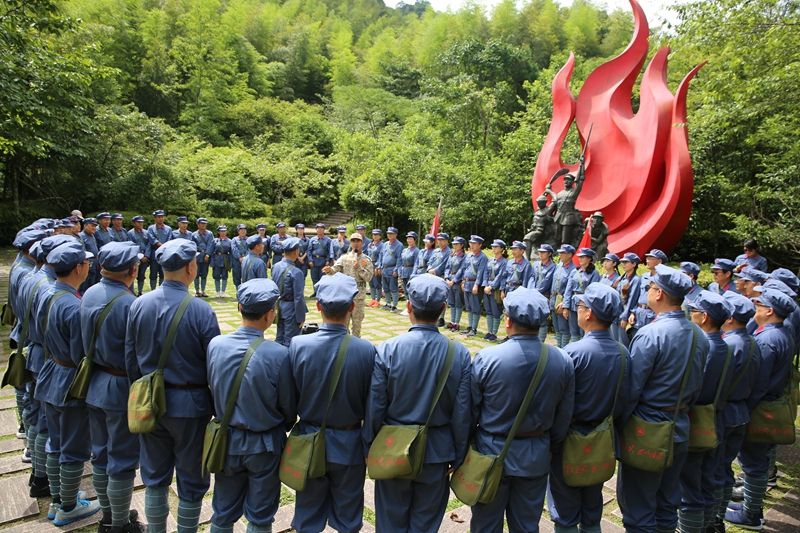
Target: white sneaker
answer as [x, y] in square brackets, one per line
[21, 433]
[82, 509]
[26, 455]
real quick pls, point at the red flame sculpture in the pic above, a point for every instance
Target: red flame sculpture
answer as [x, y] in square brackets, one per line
[638, 169]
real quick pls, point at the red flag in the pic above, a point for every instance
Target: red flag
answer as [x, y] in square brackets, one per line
[437, 220]
[586, 242]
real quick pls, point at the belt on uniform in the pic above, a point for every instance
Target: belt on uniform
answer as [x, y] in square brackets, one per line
[186, 386]
[527, 435]
[470, 279]
[673, 408]
[644, 306]
[110, 370]
[65, 364]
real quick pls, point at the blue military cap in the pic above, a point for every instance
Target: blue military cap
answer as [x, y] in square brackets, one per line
[201, 220]
[117, 216]
[342, 229]
[58, 224]
[67, 256]
[119, 256]
[458, 239]
[477, 239]
[780, 286]
[254, 240]
[614, 258]
[413, 234]
[183, 220]
[26, 239]
[261, 226]
[526, 307]
[174, 254]
[241, 226]
[787, 276]
[630, 257]
[290, 244]
[566, 249]
[36, 252]
[546, 248]
[391, 229]
[499, 243]
[137, 218]
[335, 293]
[430, 238]
[103, 215]
[586, 252]
[40, 223]
[51, 243]
[743, 308]
[723, 264]
[159, 213]
[658, 254]
[299, 226]
[751, 274]
[690, 268]
[222, 228]
[320, 225]
[376, 231]
[519, 245]
[604, 301]
[427, 292]
[280, 225]
[714, 305]
[67, 223]
[779, 302]
[360, 226]
[672, 281]
[258, 295]
[443, 236]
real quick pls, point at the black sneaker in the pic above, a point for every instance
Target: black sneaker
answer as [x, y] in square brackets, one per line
[440, 323]
[472, 332]
[21, 433]
[134, 526]
[40, 488]
[772, 480]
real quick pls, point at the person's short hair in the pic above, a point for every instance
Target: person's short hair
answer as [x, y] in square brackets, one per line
[716, 324]
[336, 314]
[672, 300]
[525, 329]
[426, 315]
[751, 244]
[255, 316]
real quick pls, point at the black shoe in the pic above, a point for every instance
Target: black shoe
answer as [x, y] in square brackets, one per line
[104, 526]
[30, 479]
[772, 480]
[472, 332]
[737, 494]
[40, 488]
[440, 323]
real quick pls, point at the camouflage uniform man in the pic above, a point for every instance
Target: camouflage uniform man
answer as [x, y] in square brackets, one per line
[359, 266]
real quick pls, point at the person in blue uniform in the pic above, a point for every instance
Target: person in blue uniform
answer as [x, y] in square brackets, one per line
[493, 281]
[252, 265]
[601, 384]
[117, 231]
[404, 380]
[408, 260]
[558, 286]
[499, 378]
[374, 251]
[266, 253]
[176, 444]
[183, 229]
[90, 245]
[541, 279]
[321, 253]
[387, 267]
[159, 234]
[139, 236]
[692, 270]
[472, 268]
[115, 451]
[700, 488]
[747, 279]
[276, 243]
[103, 235]
[67, 420]
[661, 352]
[453, 275]
[239, 251]
[341, 244]
[292, 305]
[362, 229]
[612, 278]
[518, 269]
[751, 258]
[642, 314]
[629, 289]
[337, 498]
[722, 270]
[302, 258]
[204, 240]
[441, 255]
[424, 256]
[264, 409]
[736, 412]
[777, 346]
[578, 280]
[786, 276]
[221, 261]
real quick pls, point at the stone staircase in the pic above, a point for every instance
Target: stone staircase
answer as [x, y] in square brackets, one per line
[336, 218]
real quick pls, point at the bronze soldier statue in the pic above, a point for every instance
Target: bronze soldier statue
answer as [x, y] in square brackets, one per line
[598, 231]
[542, 228]
[567, 217]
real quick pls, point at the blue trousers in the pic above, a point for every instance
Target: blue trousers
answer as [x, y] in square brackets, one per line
[68, 428]
[390, 287]
[375, 287]
[575, 332]
[219, 272]
[248, 485]
[156, 274]
[31, 413]
[560, 326]
[520, 499]
[141, 276]
[236, 269]
[698, 480]
[114, 447]
[570, 506]
[175, 446]
[472, 301]
[287, 330]
[412, 506]
[316, 275]
[649, 501]
[732, 444]
[491, 306]
[455, 296]
[337, 498]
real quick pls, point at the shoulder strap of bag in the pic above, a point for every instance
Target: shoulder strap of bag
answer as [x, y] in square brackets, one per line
[173, 331]
[443, 373]
[101, 317]
[237, 382]
[26, 320]
[722, 376]
[738, 379]
[544, 355]
[623, 362]
[53, 299]
[338, 365]
[686, 373]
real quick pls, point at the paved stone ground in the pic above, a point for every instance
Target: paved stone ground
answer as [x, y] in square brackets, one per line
[19, 513]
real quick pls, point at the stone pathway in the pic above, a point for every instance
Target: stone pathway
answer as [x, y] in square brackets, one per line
[19, 513]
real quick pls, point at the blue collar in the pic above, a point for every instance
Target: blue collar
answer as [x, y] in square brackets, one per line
[599, 334]
[250, 332]
[59, 286]
[672, 314]
[114, 283]
[332, 327]
[175, 285]
[424, 327]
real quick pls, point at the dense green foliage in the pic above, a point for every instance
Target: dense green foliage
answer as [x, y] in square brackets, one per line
[291, 109]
